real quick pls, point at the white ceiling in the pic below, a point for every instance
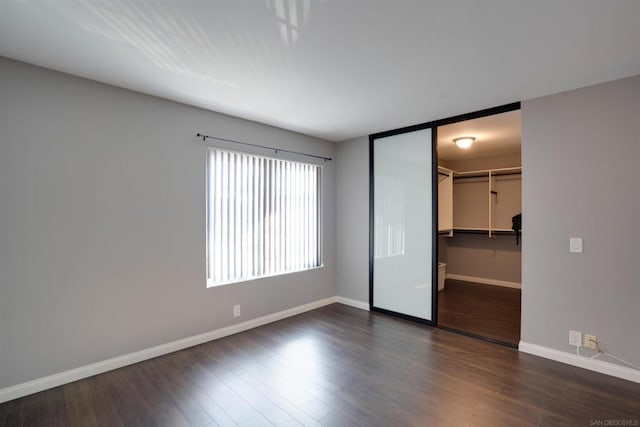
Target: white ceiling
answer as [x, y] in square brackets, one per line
[495, 135]
[333, 69]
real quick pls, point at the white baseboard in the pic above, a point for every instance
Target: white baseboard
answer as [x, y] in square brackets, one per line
[600, 366]
[55, 380]
[353, 303]
[484, 280]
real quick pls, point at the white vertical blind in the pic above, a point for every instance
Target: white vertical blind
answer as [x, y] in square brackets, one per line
[262, 216]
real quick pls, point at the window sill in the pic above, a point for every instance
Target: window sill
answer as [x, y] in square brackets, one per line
[210, 284]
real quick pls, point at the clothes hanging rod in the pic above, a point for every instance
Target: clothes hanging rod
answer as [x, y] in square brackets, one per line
[277, 150]
[486, 176]
[502, 232]
[494, 171]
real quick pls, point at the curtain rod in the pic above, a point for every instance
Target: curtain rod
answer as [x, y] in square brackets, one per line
[277, 150]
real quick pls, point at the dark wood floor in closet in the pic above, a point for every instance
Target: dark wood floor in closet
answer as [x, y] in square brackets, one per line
[336, 366]
[488, 311]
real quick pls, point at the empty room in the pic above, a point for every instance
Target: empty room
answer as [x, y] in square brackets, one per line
[319, 213]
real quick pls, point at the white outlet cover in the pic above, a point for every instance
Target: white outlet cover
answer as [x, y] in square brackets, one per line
[575, 338]
[575, 245]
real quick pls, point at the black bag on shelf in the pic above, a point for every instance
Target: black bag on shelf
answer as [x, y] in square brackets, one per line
[516, 225]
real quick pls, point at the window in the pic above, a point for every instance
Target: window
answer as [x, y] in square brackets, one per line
[263, 216]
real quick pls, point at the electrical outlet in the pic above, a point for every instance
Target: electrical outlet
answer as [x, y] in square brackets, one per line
[236, 310]
[590, 342]
[575, 245]
[575, 338]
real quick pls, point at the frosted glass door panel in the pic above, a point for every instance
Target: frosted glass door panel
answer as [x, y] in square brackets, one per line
[402, 238]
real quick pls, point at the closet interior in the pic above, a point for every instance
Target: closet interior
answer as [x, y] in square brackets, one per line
[479, 227]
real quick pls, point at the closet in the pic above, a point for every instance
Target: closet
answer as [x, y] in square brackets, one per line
[479, 248]
[484, 201]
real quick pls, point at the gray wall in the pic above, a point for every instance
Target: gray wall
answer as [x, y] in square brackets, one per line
[442, 248]
[477, 255]
[102, 224]
[580, 153]
[352, 193]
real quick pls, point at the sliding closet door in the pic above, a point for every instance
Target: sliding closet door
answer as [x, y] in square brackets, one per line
[402, 221]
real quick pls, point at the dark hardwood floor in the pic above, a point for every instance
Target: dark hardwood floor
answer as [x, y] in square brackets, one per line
[336, 366]
[487, 311]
